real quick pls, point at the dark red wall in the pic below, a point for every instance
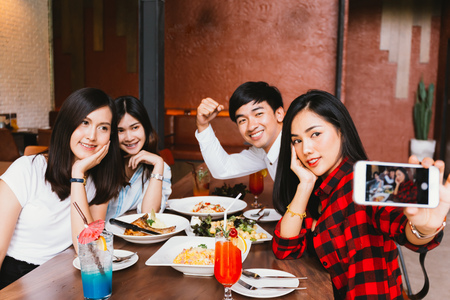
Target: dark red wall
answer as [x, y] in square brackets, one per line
[212, 47]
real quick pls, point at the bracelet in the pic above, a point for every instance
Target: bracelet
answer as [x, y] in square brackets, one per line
[302, 215]
[422, 236]
[80, 180]
[157, 176]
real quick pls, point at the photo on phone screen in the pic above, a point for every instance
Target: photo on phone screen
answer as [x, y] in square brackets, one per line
[397, 184]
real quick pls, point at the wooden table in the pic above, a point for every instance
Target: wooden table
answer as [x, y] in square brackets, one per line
[58, 279]
[25, 137]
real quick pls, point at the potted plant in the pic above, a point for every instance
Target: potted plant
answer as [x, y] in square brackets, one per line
[421, 146]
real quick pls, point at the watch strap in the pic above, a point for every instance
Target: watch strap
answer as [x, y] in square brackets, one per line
[79, 180]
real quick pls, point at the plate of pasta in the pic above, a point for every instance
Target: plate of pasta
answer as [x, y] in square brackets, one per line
[203, 206]
[191, 255]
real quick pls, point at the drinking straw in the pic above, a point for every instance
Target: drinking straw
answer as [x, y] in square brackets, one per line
[226, 211]
[90, 246]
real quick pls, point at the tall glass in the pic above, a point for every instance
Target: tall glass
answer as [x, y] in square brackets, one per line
[227, 263]
[256, 185]
[96, 267]
[201, 180]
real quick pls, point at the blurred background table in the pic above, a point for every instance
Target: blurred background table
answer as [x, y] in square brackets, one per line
[58, 278]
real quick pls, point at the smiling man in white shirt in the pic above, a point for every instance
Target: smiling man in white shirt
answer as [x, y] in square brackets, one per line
[257, 109]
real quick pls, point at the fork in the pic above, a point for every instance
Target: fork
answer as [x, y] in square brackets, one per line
[252, 288]
[259, 211]
[265, 214]
[118, 259]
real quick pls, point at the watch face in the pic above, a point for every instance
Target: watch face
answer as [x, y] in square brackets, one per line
[157, 176]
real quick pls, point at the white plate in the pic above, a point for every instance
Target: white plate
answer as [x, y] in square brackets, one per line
[384, 195]
[273, 215]
[190, 232]
[265, 293]
[185, 205]
[116, 266]
[167, 253]
[170, 220]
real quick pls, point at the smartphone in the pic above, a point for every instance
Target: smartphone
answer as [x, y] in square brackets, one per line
[395, 184]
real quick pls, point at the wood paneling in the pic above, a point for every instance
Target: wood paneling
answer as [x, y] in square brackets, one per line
[98, 25]
[397, 20]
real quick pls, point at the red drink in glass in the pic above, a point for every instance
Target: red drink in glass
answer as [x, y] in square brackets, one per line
[256, 185]
[227, 263]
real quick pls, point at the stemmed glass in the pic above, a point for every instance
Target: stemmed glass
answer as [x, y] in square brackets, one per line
[256, 185]
[227, 262]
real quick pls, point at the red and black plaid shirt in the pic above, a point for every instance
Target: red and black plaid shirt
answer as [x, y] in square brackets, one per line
[407, 192]
[354, 243]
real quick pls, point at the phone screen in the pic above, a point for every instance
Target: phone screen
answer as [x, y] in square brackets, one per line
[397, 184]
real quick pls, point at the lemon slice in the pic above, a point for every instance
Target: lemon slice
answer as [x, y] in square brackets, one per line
[264, 172]
[101, 244]
[240, 243]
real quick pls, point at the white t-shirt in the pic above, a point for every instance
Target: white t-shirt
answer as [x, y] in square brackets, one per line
[224, 166]
[43, 229]
[130, 197]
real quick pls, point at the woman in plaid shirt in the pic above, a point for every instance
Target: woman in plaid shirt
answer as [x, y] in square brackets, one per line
[314, 189]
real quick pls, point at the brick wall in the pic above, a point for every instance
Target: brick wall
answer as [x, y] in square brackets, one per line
[25, 80]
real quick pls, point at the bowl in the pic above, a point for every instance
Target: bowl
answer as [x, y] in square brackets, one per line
[171, 248]
[170, 220]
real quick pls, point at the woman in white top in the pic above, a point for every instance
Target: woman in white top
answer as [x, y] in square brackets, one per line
[37, 218]
[148, 175]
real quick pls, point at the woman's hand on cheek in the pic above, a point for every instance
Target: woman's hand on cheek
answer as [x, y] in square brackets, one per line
[147, 158]
[303, 174]
[431, 218]
[80, 167]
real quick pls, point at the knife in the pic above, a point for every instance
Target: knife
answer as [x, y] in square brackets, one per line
[131, 226]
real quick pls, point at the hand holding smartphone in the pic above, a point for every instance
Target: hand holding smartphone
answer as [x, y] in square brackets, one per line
[395, 184]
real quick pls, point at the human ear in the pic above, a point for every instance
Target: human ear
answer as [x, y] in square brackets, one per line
[279, 114]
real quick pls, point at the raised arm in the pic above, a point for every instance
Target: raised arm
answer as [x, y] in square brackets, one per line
[78, 194]
[206, 112]
[292, 221]
[428, 220]
[153, 194]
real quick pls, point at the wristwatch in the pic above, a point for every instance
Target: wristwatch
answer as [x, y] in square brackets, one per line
[157, 176]
[422, 236]
[80, 180]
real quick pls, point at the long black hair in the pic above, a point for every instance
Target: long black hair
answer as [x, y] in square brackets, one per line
[135, 108]
[108, 175]
[331, 110]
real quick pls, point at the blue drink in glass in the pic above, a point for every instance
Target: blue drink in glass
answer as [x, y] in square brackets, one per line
[96, 267]
[97, 285]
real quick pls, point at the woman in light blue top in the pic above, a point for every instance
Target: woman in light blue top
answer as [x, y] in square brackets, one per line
[147, 174]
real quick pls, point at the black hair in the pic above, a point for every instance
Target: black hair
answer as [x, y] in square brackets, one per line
[254, 91]
[108, 176]
[403, 170]
[135, 108]
[334, 112]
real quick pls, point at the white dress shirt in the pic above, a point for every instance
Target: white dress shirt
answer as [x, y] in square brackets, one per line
[224, 166]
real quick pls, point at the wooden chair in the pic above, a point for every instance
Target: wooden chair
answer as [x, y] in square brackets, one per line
[43, 137]
[407, 291]
[167, 155]
[31, 150]
[8, 146]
